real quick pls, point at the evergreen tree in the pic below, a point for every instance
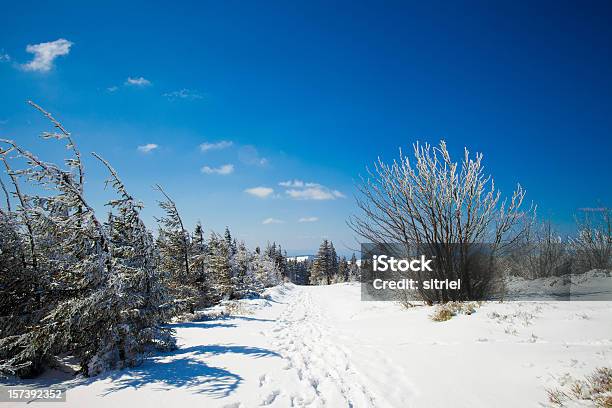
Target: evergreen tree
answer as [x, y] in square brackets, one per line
[174, 246]
[343, 270]
[136, 290]
[199, 267]
[324, 269]
[332, 272]
[242, 280]
[229, 242]
[95, 293]
[219, 265]
[320, 266]
[71, 284]
[354, 269]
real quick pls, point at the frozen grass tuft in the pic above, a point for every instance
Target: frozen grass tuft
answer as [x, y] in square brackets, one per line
[596, 388]
[446, 311]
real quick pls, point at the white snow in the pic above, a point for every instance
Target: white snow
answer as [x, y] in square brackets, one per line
[323, 347]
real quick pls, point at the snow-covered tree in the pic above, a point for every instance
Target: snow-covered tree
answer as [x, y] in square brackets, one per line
[446, 207]
[354, 271]
[174, 247]
[229, 242]
[87, 296]
[324, 269]
[343, 270]
[242, 279]
[220, 266]
[101, 289]
[136, 289]
[202, 280]
[592, 248]
[265, 269]
[332, 261]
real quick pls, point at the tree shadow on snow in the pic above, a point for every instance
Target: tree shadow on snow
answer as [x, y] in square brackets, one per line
[186, 368]
[201, 325]
[250, 319]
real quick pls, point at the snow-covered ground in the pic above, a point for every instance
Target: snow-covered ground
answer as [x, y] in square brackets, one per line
[322, 347]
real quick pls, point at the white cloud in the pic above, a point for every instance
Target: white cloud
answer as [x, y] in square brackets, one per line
[261, 192]
[300, 190]
[292, 183]
[308, 219]
[112, 89]
[45, 54]
[221, 170]
[5, 57]
[149, 147]
[140, 81]
[223, 144]
[272, 221]
[187, 94]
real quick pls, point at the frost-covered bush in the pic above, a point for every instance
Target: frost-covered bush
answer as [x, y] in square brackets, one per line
[592, 247]
[540, 253]
[431, 201]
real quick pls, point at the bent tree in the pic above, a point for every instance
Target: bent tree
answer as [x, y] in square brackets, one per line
[70, 283]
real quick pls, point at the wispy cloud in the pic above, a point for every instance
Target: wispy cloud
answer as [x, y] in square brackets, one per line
[249, 155]
[208, 146]
[4, 57]
[45, 54]
[308, 219]
[300, 190]
[148, 148]
[185, 94]
[112, 89]
[272, 221]
[261, 192]
[221, 170]
[139, 82]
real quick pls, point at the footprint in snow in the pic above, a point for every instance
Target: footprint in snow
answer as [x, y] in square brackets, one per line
[270, 398]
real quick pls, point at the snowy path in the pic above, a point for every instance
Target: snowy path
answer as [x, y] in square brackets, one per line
[323, 347]
[305, 338]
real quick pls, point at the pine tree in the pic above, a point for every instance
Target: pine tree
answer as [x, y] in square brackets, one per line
[242, 279]
[136, 289]
[174, 246]
[353, 269]
[199, 268]
[101, 290]
[97, 296]
[324, 269]
[332, 272]
[64, 230]
[219, 265]
[343, 270]
[229, 242]
[320, 265]
[280, 258]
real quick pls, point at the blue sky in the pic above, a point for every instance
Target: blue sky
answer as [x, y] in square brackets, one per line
[312, 92]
